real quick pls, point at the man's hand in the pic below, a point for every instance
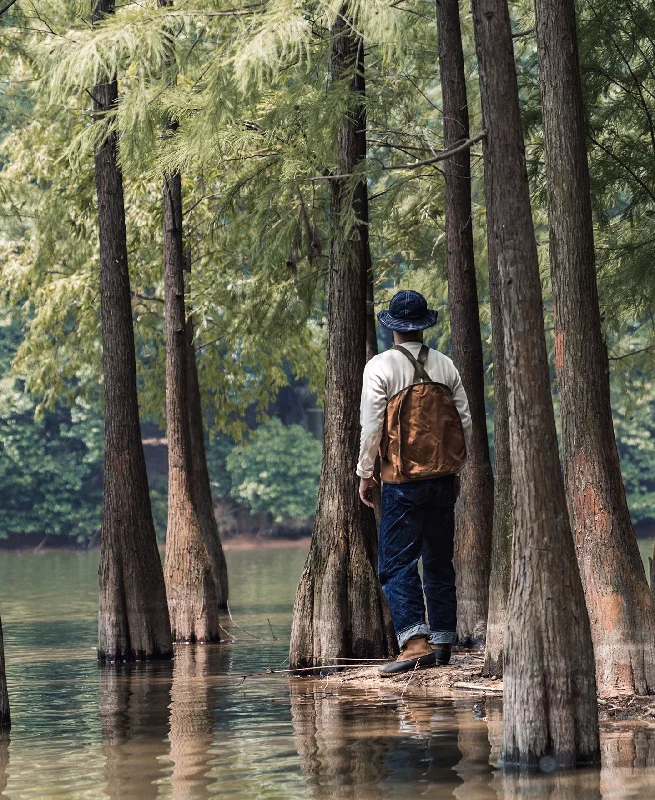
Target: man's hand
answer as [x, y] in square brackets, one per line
[366, 488]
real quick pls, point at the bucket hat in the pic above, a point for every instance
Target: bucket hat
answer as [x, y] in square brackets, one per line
[408, 311]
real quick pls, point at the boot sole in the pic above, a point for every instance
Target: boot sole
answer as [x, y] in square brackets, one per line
[398, 667]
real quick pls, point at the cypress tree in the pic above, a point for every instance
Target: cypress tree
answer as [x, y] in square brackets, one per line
[133, 621]
[550, 693]
[474, 511]
[620, 605]
[340, 610]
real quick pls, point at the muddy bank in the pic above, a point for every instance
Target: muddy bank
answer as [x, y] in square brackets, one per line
[462, 678]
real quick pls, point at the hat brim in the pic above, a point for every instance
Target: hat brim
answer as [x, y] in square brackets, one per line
[408, 325]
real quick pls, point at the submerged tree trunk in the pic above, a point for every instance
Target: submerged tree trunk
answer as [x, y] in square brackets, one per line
[192, 598]
[200, 484]
[133, 620]
[340, 610]
[501, 549]
[550, 692]
[620, 605]
[5, 718]
[474, 510]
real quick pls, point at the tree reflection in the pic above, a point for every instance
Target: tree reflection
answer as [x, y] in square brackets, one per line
[134, 708]
[360, 749]
[191, 720]
[4, 761]
[625, 755]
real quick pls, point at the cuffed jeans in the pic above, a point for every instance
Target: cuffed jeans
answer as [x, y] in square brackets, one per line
[418, 519]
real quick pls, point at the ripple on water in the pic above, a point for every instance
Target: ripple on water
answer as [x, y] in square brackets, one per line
[195, 728]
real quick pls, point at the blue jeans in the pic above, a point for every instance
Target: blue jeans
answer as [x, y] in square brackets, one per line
[418, 519]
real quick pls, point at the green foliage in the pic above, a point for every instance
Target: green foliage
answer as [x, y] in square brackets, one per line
[277, 472]
[50, 467]
[255, 142]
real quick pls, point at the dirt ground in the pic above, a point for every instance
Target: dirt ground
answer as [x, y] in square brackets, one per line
[462, 678]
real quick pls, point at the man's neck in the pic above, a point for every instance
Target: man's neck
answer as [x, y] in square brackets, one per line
[407, 338]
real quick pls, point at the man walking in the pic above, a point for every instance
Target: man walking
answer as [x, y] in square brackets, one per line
[415, 414]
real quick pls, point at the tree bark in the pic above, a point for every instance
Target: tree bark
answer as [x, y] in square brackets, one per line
[192, 597]
[501, 546]
[200, 484]
[550, 692]
[620, 605]
[371, 331]
[5, 717]
[190, 585]
[474, 510]
[340, 610]
[133, 620]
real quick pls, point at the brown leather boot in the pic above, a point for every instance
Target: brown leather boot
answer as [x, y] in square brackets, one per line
[442, 653]
[415, 654]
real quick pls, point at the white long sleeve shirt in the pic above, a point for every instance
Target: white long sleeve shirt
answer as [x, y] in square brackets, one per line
[389, 373]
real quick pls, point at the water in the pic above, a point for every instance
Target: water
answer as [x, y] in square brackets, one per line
[197, 728]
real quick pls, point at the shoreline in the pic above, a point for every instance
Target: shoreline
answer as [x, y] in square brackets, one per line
[234, 543]
[461, 679]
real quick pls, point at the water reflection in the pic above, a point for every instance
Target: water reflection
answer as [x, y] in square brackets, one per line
[4, 761]
[360, 748]
[134, 712]
[195, 728]
[193, 697]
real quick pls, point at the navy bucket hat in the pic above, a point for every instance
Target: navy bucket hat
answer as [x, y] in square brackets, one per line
[408, 311]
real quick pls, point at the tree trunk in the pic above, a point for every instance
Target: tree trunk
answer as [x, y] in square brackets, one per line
[5, 718]
[190, 586]
[340, 610]
[501, 547]
[133, 620]
[371, 331]
[620, 605]
[200, 484]
[192, 598]
[474, 510]
[550, 691]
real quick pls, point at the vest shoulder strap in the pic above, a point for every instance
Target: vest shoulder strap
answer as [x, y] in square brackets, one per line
[420, 373]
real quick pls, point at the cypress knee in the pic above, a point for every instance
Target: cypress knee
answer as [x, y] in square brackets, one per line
[550, 705]
[474, 511]
[620, 605]
[340, 610]
[133, 620]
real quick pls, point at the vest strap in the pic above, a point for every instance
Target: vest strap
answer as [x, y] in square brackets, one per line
[420, 373]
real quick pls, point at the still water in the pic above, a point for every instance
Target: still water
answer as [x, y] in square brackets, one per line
[197, 728]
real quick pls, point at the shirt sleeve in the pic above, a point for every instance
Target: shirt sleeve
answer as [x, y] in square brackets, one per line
[462, 405]
[373, 407]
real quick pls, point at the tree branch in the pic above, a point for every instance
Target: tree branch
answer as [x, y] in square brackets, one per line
[7, 6]
[449, 152]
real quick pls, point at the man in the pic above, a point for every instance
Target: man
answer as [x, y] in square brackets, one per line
[414, 412]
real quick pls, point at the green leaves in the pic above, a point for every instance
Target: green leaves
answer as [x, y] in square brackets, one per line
[278, 471]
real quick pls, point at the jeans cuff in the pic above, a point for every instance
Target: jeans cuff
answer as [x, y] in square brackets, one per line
[443, 637]
[413, 632]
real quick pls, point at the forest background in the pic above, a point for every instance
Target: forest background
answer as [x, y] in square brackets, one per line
[255, 142]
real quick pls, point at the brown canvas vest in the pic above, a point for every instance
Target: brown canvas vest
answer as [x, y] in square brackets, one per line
[423, 435]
